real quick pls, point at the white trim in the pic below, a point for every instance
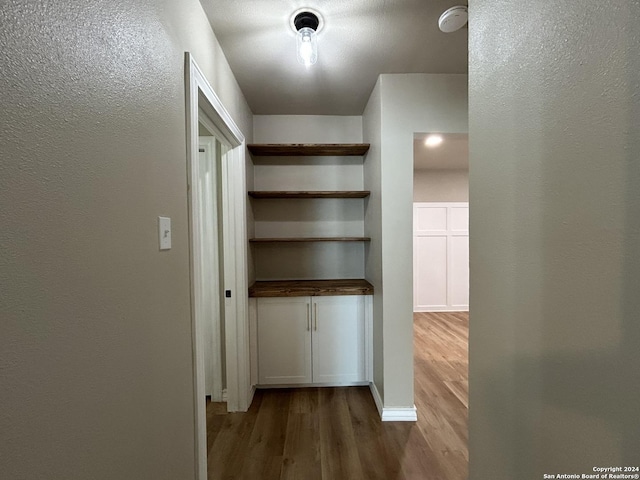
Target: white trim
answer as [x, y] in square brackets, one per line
[203, 118]
[392, 414]
[368, 337]
[400, 414]
[376, 397]
[198, 93]
[253, 340]
[252, 392]
[213, 372]
[224, 394]
[440, 309]
[240, 350]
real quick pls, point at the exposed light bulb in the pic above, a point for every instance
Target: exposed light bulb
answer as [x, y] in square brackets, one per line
[433, 141]
[307, 46]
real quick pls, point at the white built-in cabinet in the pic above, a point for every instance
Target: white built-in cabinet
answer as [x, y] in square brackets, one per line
[284, 340]
[311, 340]
[440, 257]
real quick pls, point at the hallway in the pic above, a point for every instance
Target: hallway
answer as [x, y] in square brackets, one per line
[336, 433]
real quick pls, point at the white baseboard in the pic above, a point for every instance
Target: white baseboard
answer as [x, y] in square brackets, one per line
[376, 397]
[400, 414]
[460, 308]
[392, 414]
[252, 392]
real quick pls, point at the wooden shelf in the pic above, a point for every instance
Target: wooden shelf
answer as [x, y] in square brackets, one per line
[309, 239]
[308, 149]
[304, 288]
[307, 194]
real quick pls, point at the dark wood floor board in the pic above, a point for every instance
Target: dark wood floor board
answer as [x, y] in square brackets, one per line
[434, 392]
[441, 387]
[376, 457]
[304, 400]
[417, 458]
[268, 437]
[336, 433]
[435, 425]
[227, 455]
[451, 461]
[302, 457]
[216, 413]
[338, 451]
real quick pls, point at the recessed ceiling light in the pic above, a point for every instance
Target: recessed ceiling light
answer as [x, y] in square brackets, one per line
[433, 141]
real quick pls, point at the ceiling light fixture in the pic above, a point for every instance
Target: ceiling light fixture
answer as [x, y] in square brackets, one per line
[433, 141]
[453, 19]
[306, 24]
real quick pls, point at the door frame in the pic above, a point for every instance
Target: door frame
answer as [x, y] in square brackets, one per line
[200, 95]
[213, 372]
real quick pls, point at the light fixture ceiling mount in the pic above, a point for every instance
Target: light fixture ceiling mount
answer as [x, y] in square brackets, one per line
[306, 19]
[306, 23]
[306, 10]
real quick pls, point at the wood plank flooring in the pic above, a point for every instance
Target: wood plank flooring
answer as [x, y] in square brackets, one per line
[336, 433]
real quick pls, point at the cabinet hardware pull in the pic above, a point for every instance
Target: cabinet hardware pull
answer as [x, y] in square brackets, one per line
[308, 317]
[315, 317]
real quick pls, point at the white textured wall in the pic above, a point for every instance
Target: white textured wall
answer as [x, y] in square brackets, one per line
[555, 237]
[95, 330]
[440, 185]
[410, 103]
[307, 129]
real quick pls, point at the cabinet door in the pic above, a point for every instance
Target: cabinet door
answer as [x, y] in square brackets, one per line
[284, 340]
[338, 339]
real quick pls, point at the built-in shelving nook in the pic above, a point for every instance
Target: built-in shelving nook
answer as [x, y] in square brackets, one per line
[308, 206]
[310, 306]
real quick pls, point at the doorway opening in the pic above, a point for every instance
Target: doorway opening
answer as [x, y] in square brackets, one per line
[218, 255]
[441, 222]
[212, 151]
[441, 292]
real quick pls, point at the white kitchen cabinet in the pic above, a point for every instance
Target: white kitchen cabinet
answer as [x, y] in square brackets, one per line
[338, 339]
[284, 340]
[311, 340]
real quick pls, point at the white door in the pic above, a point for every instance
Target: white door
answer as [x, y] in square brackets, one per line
[338, 339]
[441, 257]
[212, 307]
[284, 340]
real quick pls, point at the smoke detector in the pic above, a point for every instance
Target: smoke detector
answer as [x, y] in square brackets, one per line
[453, 19]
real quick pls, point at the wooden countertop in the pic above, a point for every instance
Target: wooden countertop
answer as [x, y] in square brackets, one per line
[310, 194]
[314, 288]
[309, 239]
[311, 149]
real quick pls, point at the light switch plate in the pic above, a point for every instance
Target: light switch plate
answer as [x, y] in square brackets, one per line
[164, 233]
